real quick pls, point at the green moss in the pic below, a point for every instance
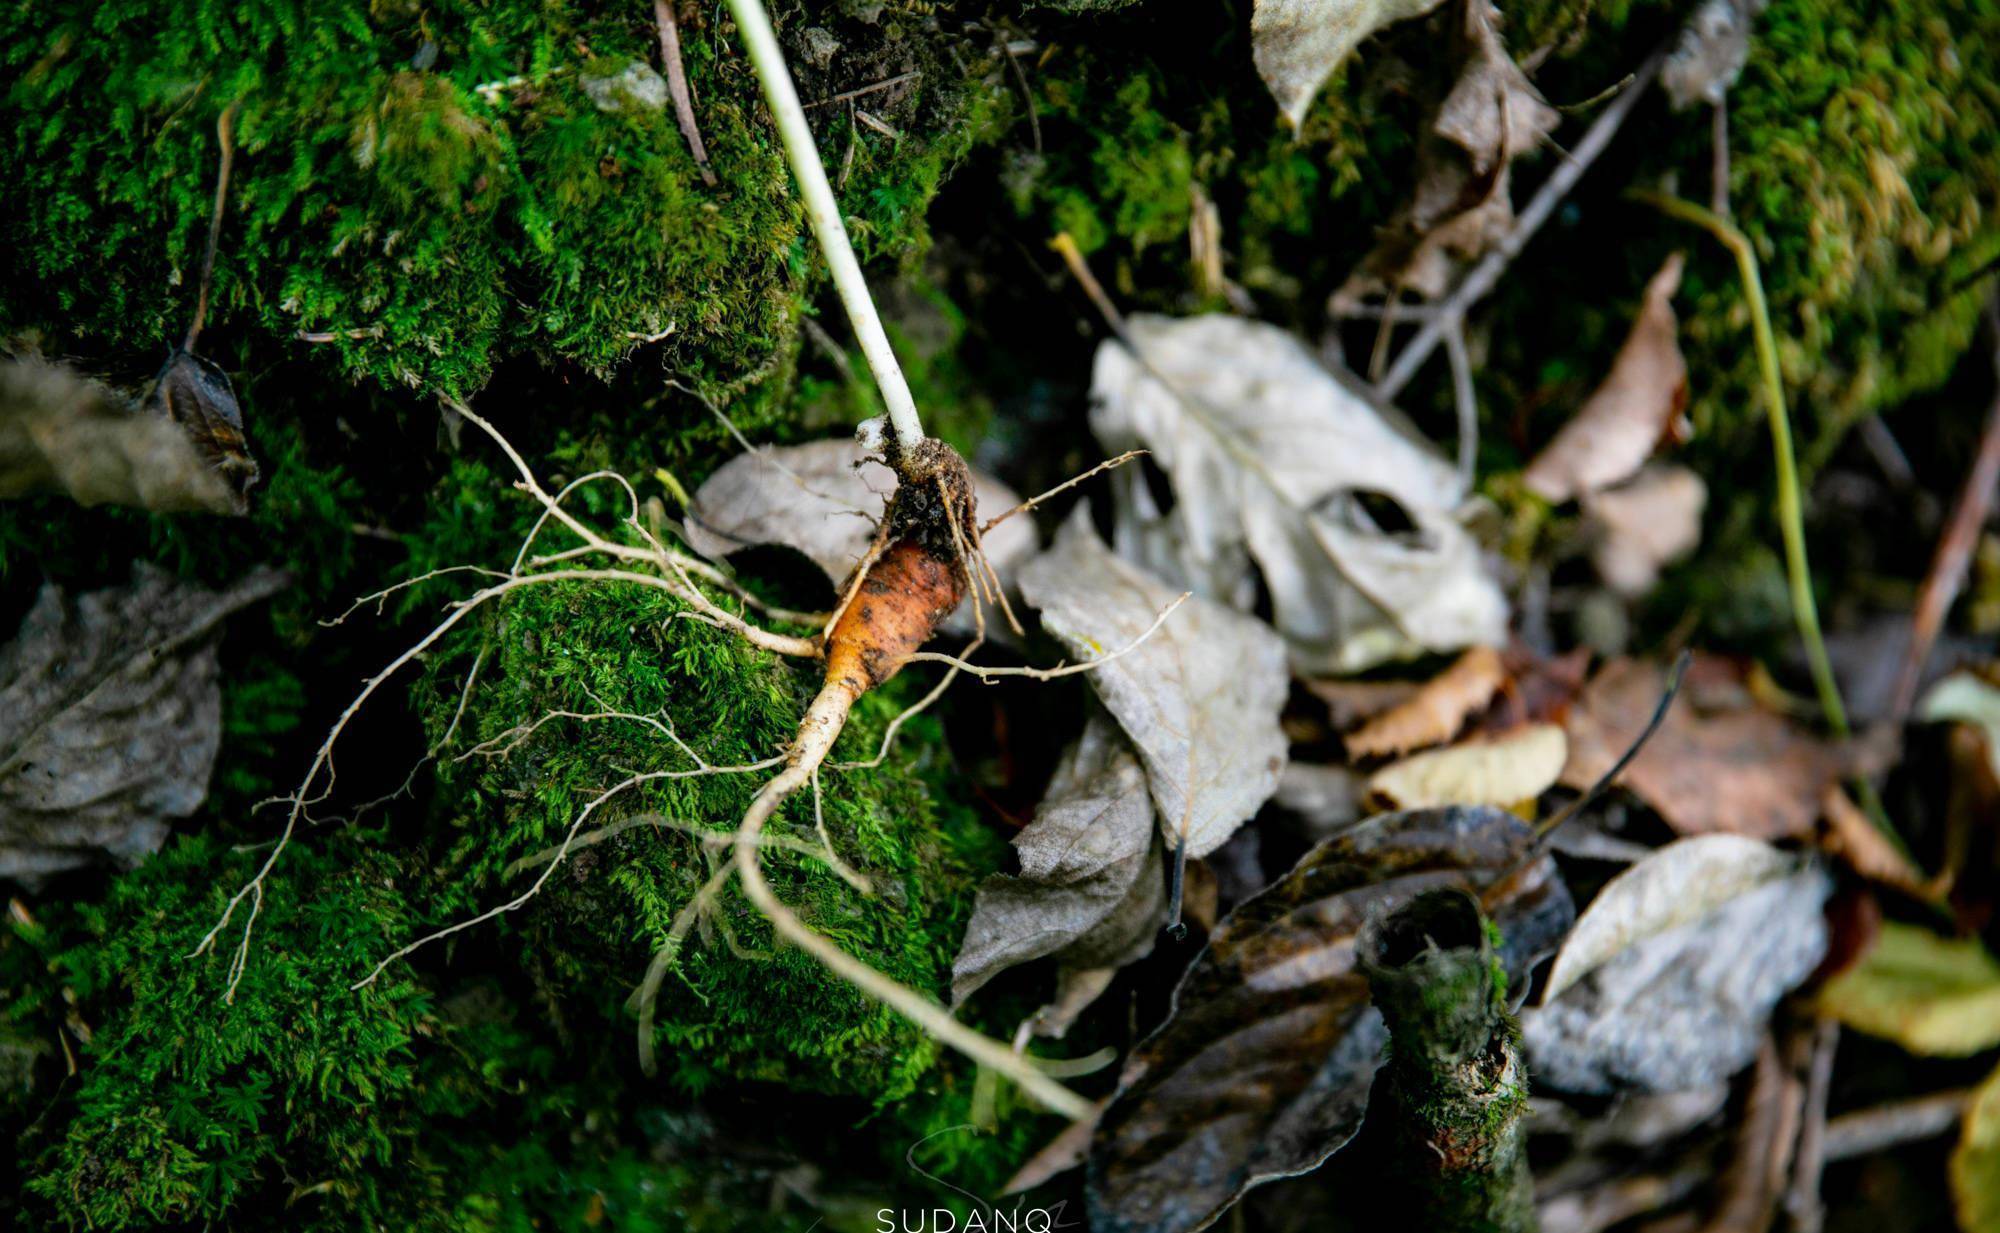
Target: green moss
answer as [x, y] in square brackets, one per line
[436, 219]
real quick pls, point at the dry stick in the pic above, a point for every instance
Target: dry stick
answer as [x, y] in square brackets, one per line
[1466, 399]
[225, 134]
[1867, 1131]
[1486, 275]
[1718, 163]
[1954, 552]
[677, 85]
[1802, 1200]
[1032, 502]
[828, 224]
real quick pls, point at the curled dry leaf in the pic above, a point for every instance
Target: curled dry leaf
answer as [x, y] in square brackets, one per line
[1504, 771]
[1746, 770]
[1296, 44]
[1089, 849]
[1462, 206]
[1970, 699]
[198, 396]
[110, 718]
[1263, 1068]
[1860, 844]
[1683, 1008]
[1435, 713]
[1640, 402]
[1200, 697]
[823, 498]
[61, 432]
[1643, 525]
[1282, 474]
[1931, 995]
[1975, 1162]
[1678, 884]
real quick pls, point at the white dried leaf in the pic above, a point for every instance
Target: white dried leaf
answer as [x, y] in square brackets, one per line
[1710, 54]
[1966, 698]
[1199, 697]
[1685, 1008]
[1645, 524]
[1271, 458]
[110, 719]
[823, 499]
[1680, 883]
[1082, 858]
[1296, 44]
[1517, 767]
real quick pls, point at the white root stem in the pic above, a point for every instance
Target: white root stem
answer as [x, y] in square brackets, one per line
[829, 226]
[823, 722]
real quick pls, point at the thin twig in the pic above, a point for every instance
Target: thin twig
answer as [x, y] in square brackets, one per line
[828, 223]
[864, 91]
[677, 85]
[1867, 1131]
[1482, 278]
[225, 135]
[1062, 670]
[1466, 399]
[1067, 484]
[1802, 1199]
[1954, 551]
[1718, 163]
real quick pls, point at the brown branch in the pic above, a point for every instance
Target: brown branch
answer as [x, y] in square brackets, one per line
[677, 85]
[225, 134]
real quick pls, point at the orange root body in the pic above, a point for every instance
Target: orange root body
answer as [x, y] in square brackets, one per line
[901, 600]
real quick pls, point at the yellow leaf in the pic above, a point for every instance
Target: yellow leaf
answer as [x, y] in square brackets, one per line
[1975, 1163]
[1517, 767]
[1929, 994]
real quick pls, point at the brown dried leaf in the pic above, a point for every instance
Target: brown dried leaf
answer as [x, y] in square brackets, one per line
[1349, 704]
[110, 718]
[1639, 404]
[1436, 712]
[1645, 524]
[1263, 1069]
[1462, 206]
[1746, 771]
[61, 432]
[1862, 846]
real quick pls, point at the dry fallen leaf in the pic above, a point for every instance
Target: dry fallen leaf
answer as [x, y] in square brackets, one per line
[110, 718]
[1437, 711]
[1086, 851]
[1680, 1007]
[1462, 206]
[1970, 699]
[199, 397]
[1349, 704]
[1504, 771]
[1975, 1162]
[1263, 1069]
[1282, 475]
[1640, 402]
[1296, 44]
[822, 498]
[1676, 885]
[60, 432]
[1709, 55]
[1931, 995]
[1747, 771]
[1639, 526]
[1199, 697]
[1857, 841]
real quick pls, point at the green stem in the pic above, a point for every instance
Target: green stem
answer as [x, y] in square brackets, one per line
[1791, 511]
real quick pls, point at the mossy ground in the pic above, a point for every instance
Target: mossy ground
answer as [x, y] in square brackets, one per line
[506, 245]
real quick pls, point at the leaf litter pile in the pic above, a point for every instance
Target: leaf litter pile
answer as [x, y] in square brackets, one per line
[1391, 900]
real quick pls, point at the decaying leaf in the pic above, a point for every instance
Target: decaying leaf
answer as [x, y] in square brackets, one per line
[1975, 1162]
[1085, 853]
[1683, 1008]
[1967, 698]
[823, 498]
[1282, 474]
[1263, 1068]
[1675, 886]
[1200, 697]
[1463, 205]
[1504, 771]
[110, 718]
[1639, 526]
[60, 432]
[1640, 403]
[198, 396]
[1931, 995]
[1710, 53]
[1296, 44]
[1747, 771]
[1857, 841]
[1058, 1156]
[1437, 711]
[1350, 704]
